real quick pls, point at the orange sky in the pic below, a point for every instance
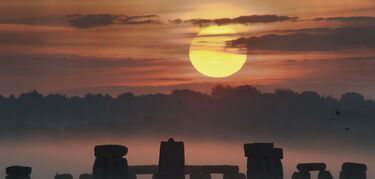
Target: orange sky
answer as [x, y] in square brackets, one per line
[41, 49]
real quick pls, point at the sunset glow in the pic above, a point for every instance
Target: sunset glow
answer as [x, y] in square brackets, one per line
[211, 57]
[250, 87]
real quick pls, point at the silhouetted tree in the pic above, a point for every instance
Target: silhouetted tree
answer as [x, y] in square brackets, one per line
[241, 111]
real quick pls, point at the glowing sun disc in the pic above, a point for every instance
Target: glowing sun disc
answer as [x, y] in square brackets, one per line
[210, 55]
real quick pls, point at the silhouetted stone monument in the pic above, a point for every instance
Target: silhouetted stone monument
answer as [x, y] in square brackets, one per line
[194, 171]
[18, 172]
[63, 176]
[278, 166]
[304, 170]
[171, 160]
[200, 175]
[234, 176]
[301, 175]
[307, 167]
[109, 163]
[86, 176]
[132, 176]
[263, 161]
[324, 175]
[143, 169]
[241, 176]
[351, 170]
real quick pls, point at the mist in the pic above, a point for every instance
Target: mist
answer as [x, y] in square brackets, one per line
[77, 156]
[57, 134]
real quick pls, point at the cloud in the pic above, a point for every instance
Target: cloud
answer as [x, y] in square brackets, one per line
[351, 18]
[331, 40]
[245, 20]
[84, 21]
[95, 20]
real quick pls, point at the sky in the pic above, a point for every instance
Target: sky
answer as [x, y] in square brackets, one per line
[114, 46]
[51, 45]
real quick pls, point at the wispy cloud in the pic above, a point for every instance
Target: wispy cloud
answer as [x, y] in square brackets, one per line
[351, 18]
[84, 21]
[330, 40]
[95, 20]
[245, 20]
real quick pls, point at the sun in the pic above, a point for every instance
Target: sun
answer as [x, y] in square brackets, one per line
[210, 55]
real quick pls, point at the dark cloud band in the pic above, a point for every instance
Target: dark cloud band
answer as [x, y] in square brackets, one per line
[250, 19]
[85, 21]
[331, 40]
[352, 18]
[90, 21]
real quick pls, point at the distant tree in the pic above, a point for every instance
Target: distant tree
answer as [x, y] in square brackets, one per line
[186, 93]
[352, 97]
[285, 92]
[125, 96]
[310, 94]
[245, 90]
[220, 91]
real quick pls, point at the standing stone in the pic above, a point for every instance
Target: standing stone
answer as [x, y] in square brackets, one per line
[171, 160]
[324, 175]
[241, 176]
[229, 175]
[86, 176]
[200, 175]
[304, 170]
[18, 172]
[353, 171]
[109, 163]
[263, 161]
[301, 175]
[234, 175]
[132, 176]
[278, 166]
[307, 167]
[63, 176]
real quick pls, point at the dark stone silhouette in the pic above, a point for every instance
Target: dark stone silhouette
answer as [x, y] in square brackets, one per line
[143, 169]
[234, 176]
[109, 163]
[351, 170]
[132, 176]
[307, 167]
[110, 151]
[194, 171]
[18, 172]
[63, 176]
[211, 169]
[278, 166]
[301, 175]
[241, 176]
[86, 176]
[171, 160]
[200, 175]
[325, 175]
[304, 170]
[263, 161]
